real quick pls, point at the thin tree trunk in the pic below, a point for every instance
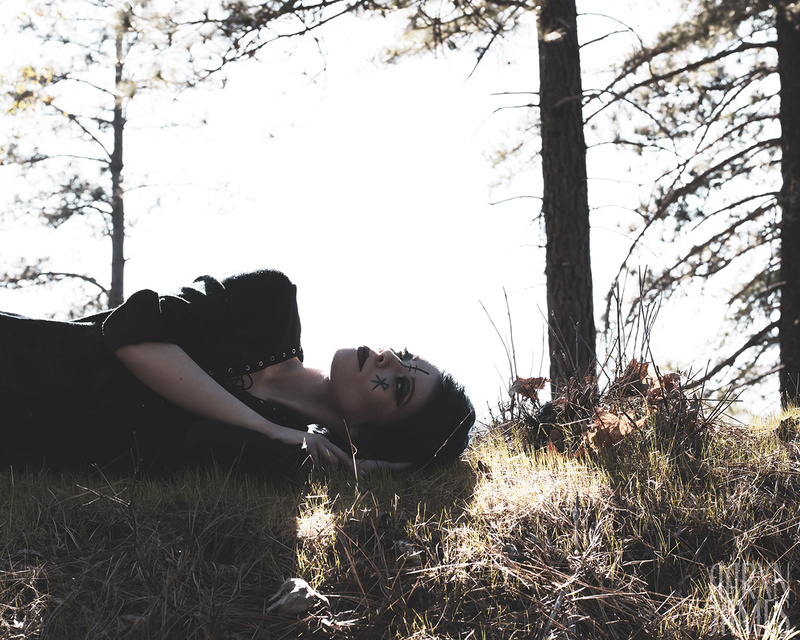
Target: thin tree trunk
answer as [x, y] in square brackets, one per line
[115, 296]
[565, 203]
[788, 28]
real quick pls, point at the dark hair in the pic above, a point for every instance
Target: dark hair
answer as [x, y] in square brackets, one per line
[438, 432]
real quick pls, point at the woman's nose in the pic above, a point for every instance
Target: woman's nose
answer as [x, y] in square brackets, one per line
[387, 358]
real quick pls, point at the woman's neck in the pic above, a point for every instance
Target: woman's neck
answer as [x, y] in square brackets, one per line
[294, 386]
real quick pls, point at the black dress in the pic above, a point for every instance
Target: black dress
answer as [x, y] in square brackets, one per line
[65, 397]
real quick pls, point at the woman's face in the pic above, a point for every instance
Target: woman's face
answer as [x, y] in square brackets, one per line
[380, 387]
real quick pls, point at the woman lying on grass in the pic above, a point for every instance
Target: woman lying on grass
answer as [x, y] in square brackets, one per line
[216, 371]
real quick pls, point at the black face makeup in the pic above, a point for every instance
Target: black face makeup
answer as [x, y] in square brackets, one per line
[380, 387]
[380, 382]
[403, 390]
[406, 358]
[403, 387]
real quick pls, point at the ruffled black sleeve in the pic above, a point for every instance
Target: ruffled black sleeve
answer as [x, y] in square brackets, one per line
[229, 327]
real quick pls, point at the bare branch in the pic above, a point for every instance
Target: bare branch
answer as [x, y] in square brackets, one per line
[753, 341]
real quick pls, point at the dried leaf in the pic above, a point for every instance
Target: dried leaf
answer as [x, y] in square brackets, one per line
[609, 428]
[632, 381]
[668, 386]
[555, 441]
[528, 387]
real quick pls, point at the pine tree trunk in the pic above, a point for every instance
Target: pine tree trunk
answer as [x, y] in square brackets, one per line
[115, 296]
[565, 203]
[788, 28]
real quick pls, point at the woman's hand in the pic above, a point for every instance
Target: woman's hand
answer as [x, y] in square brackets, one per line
[321, 451]
[326, 455]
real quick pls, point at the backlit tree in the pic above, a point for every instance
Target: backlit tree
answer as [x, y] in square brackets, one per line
[68, 92]
[713, 101]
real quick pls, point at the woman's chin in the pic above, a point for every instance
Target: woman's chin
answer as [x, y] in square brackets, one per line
[343, 360]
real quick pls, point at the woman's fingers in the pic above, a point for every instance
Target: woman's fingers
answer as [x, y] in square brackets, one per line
[335, 457]
[325, 454]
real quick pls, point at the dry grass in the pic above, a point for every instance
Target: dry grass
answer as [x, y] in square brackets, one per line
[665, 536]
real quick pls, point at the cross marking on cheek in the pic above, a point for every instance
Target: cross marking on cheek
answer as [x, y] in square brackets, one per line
[379, 382]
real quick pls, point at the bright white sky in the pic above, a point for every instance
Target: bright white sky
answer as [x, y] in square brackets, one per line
[370, 189]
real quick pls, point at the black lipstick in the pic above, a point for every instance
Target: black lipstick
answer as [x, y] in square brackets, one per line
[362, 353]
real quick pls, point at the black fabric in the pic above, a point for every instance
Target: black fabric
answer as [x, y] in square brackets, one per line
[210, 443]
[239, 325]
[64, 396]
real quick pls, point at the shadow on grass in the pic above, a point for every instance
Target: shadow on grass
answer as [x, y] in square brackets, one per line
[198, 554]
